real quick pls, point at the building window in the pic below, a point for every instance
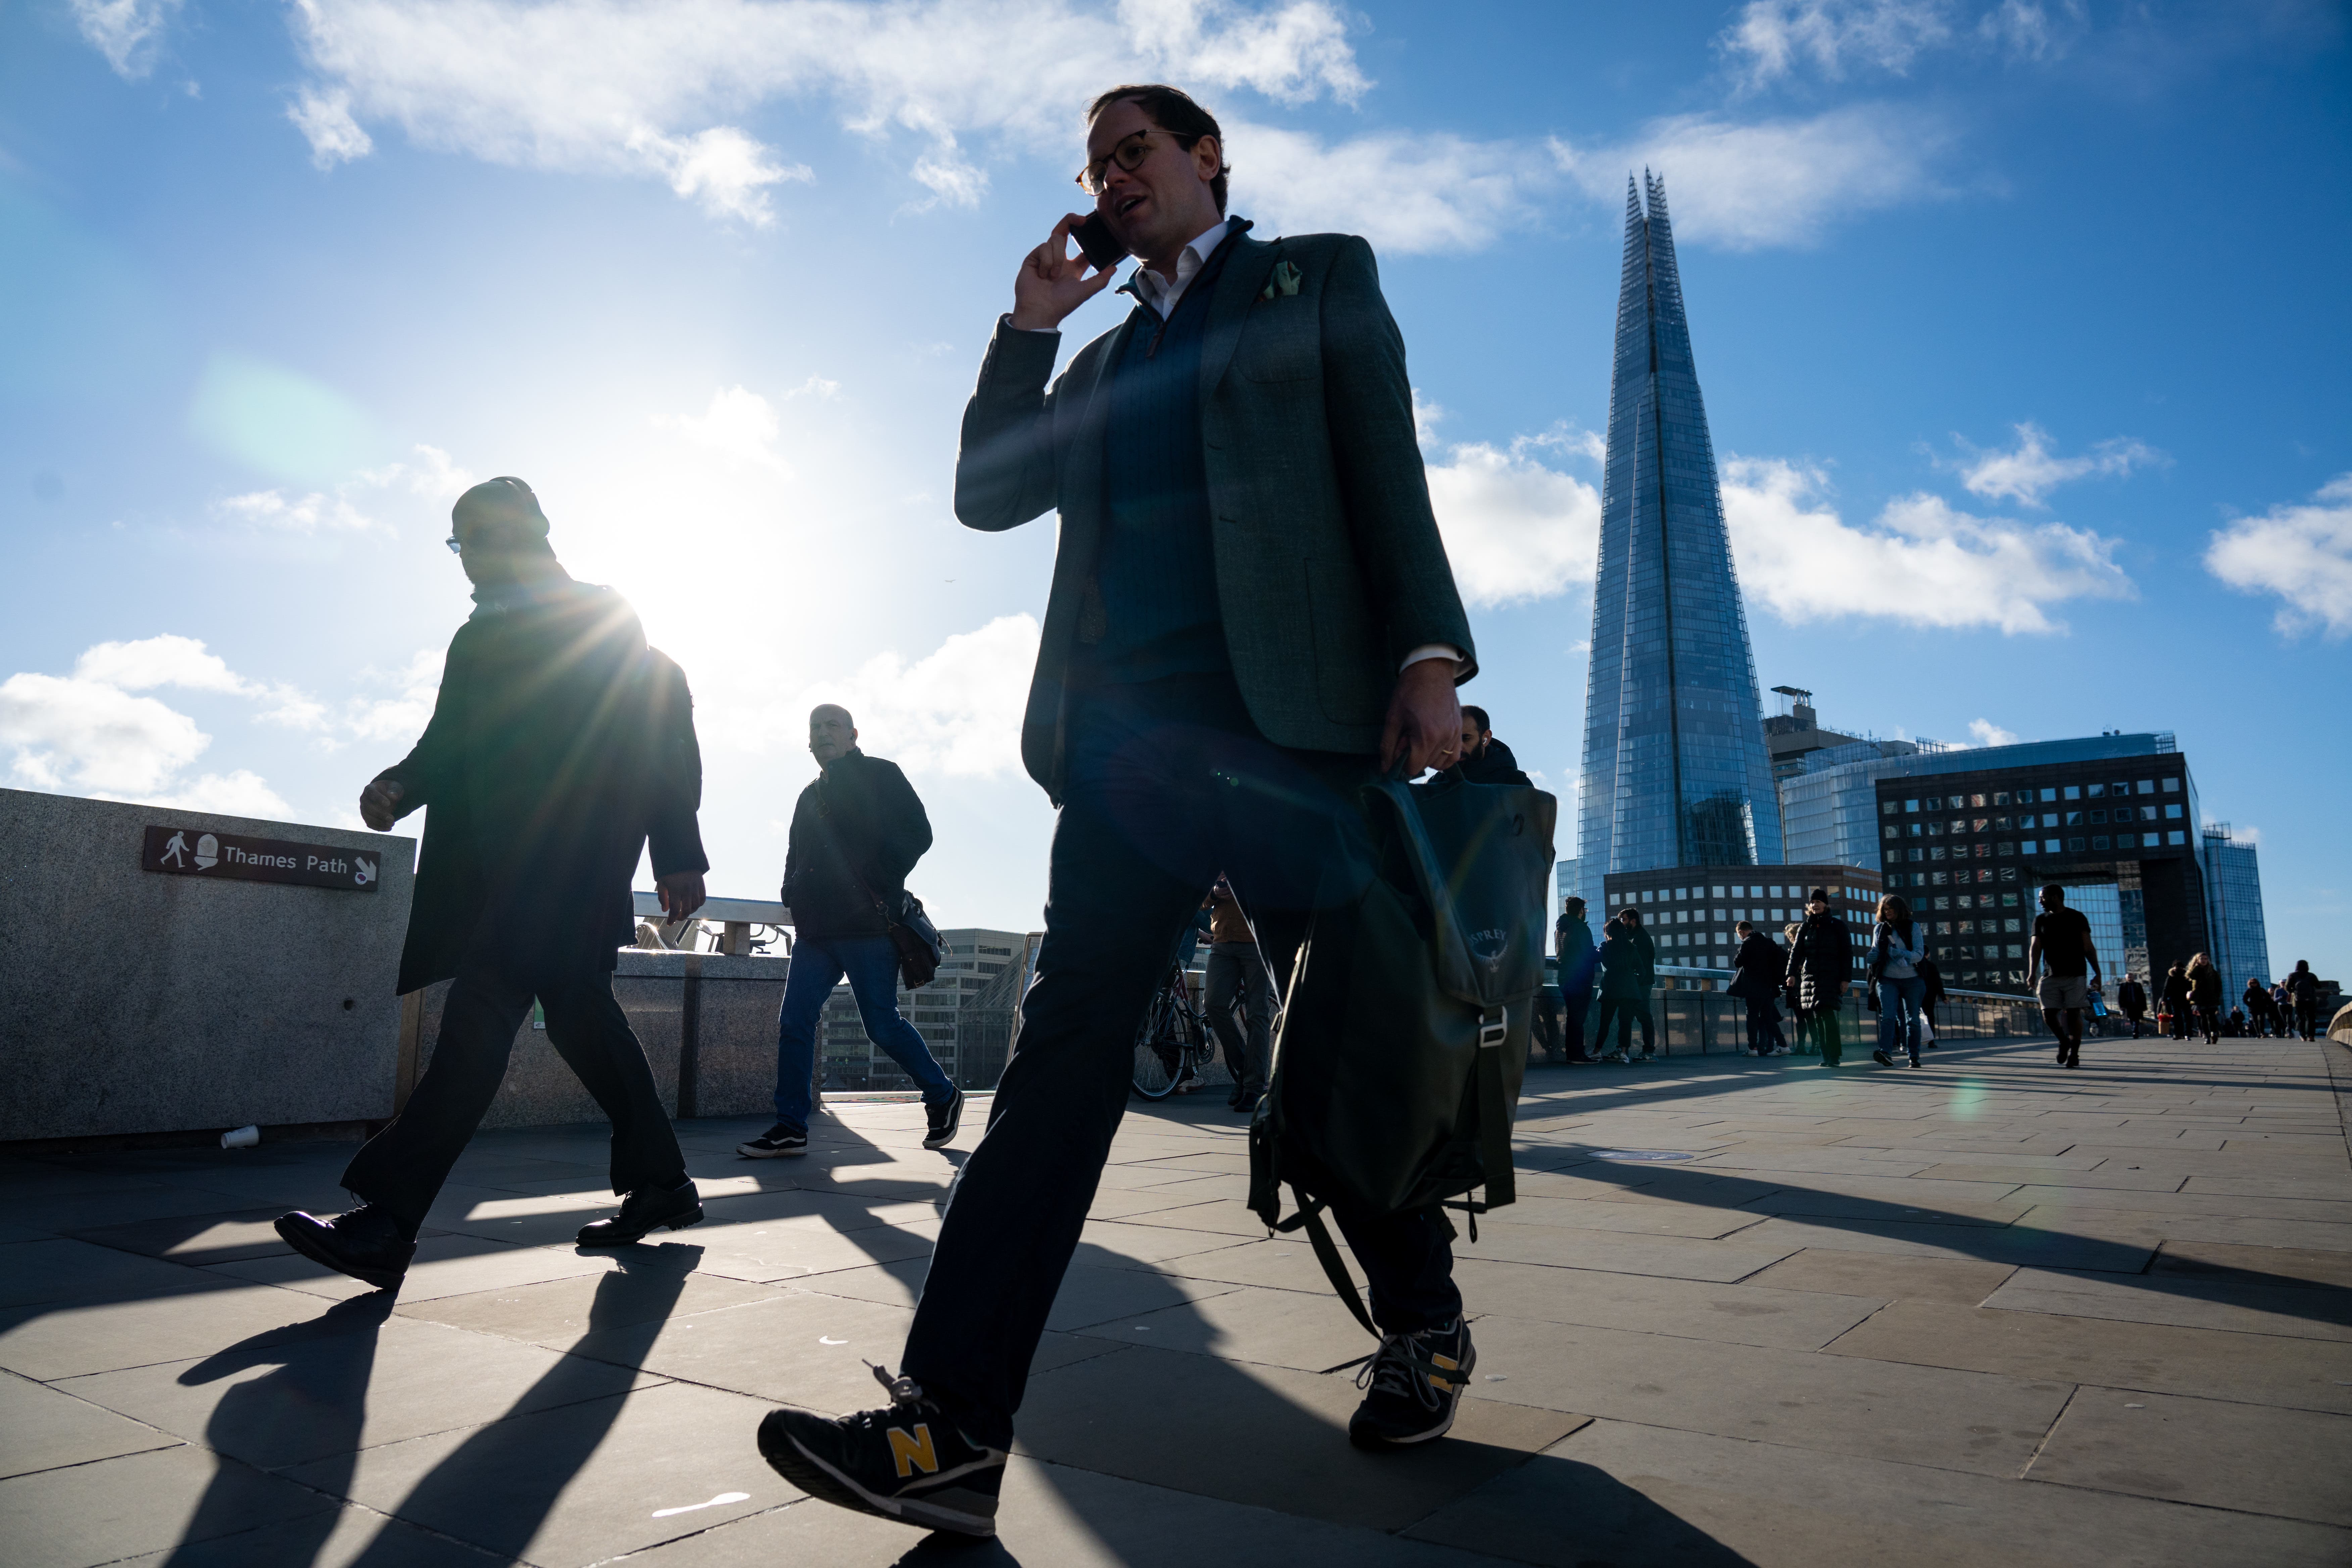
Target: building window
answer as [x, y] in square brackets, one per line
[2172, 786]
[2073, 792]
[2126, 840]
[2172, 812]
[2050, 847]
[2000, 797]
[2097, 791]
[1910, 806]
[1937, 853]
[2050, 794]
[1915, 855]
[2097, 817]
[1983, 850]
[2005, 847]
[2176, 838]
[2099, 841]
[2147, 786]
[1886, 808]
[2073, 846]
[2073, 819]
[1934, 830]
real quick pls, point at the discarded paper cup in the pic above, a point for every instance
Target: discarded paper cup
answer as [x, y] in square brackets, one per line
[242, 1138]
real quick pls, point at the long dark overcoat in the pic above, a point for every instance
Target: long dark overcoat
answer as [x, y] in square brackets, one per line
[560, 743]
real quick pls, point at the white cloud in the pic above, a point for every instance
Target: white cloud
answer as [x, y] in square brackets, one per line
[1774, 39]
[240, 794]
[155, 661]
[124, 31]
[2302, 552]
[955, 711]
[1415, 192]
[298, 513]
[92, 736]
[403, 716]
[740, 423]
[1988, 733]
[1515, 529]
[601, 86]
[2032, 471]
[325, 120]
[1746, 185]
[1922, 563]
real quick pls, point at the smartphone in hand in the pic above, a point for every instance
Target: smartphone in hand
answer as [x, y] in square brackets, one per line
[1094, 239]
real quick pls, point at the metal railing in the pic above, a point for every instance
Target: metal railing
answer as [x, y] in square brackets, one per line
[1691, 1014]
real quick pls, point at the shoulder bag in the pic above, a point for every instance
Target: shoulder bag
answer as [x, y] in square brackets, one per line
[911, 931]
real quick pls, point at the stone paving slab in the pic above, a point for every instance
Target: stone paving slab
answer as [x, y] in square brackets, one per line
[1983, 1313]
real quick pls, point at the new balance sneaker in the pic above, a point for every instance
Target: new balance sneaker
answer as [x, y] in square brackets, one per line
[781, 1140]
[944, 1121]
[1412, 1387]
[906, 1461]
[646, 1210]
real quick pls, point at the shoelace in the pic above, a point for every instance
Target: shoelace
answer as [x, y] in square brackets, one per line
[1400, 1370]
[905, 1394]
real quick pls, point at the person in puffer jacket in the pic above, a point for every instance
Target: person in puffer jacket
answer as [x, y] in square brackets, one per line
[1898, 945]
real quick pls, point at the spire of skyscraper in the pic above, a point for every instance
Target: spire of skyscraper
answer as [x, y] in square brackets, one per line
[1675, 770]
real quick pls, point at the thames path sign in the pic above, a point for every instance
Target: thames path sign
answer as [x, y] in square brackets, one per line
[195, 852]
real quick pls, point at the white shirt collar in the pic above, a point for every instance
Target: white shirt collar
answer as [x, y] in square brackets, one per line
[1161, 295]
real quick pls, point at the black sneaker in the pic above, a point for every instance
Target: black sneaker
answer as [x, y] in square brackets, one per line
[780, 1139]
[945, 1120]
[365, 1244]
[1412, 1384]
[1882, 1058]
[645, 1210]
[906, 1462]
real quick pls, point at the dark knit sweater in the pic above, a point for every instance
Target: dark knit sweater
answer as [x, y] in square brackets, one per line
[1156, 569]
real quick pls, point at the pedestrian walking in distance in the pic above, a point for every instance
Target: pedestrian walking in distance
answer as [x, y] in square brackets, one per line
[2205, 996]
[2175, 1004]
[1252, 615]
[1629, 967]
[1579, 963]
[858, 829]
[2131, 997]
[1240, 997]
[2061, 945]
[1820, 965]
[1934, 979]
[559, 746]
[2303, 988]
[1759, 966]
[1898, 945]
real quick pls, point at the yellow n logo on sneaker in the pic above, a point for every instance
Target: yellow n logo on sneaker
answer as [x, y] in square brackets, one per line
[911, 1452]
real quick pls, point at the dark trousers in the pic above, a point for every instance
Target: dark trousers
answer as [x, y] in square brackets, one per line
[1166, 785]
[1237, 975]
[1764, 1026]
[402, 1168]
[1573, 1007]
[2306, 1016]
[1624, 1010]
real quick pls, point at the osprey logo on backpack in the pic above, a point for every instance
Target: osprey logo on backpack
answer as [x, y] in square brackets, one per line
[1488, 946]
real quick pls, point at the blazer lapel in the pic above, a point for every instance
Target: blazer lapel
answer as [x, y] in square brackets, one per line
[1246, 268]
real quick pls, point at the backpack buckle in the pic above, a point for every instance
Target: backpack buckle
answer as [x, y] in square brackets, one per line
[1493, 1028]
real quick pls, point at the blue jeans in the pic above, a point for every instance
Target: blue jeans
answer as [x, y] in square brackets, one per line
[872, 965]
[1899, 1014]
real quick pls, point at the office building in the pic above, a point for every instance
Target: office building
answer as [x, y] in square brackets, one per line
[1675, 770]
[2233, 911]
[1795, 734]
[1971, 847]
[964, 1014]
[1829, 811]
[1690, 911]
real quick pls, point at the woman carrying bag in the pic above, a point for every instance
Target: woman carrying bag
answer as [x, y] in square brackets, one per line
[1898, 944]
[2205, 997]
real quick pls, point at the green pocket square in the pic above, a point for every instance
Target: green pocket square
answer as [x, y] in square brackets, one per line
[1286, 282]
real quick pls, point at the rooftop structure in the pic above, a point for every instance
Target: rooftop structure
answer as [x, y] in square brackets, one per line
[1675, 769]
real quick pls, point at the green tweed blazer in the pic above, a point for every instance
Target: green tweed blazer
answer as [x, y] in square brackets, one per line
[1329, 568]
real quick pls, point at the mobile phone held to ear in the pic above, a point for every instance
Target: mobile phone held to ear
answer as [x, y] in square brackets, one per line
[1094, 237]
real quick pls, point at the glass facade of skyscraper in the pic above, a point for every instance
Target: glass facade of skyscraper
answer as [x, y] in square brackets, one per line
[2233, 911]
[1675, 769]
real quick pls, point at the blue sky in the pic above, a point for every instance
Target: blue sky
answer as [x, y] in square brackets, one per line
[2021, 326]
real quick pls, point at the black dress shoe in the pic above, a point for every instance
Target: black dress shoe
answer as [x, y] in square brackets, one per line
[365, 1244]
[645, 1210]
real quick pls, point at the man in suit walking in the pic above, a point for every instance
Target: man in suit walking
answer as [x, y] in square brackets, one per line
[1252, 614]
[559, 744]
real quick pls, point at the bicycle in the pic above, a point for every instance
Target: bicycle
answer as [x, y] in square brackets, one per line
[1171, 1045]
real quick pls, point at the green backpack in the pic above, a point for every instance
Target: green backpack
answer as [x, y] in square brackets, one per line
[1404, 1034]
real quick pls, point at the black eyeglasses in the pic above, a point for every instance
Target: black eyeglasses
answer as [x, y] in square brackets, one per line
[1129, 154]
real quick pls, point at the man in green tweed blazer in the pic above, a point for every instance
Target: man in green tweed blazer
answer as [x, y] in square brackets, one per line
[1252, 614]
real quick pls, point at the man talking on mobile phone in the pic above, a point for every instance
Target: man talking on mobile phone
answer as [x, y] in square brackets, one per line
[1252, 615]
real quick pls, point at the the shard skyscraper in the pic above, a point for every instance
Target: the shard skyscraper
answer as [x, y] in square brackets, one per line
[1675, 770]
